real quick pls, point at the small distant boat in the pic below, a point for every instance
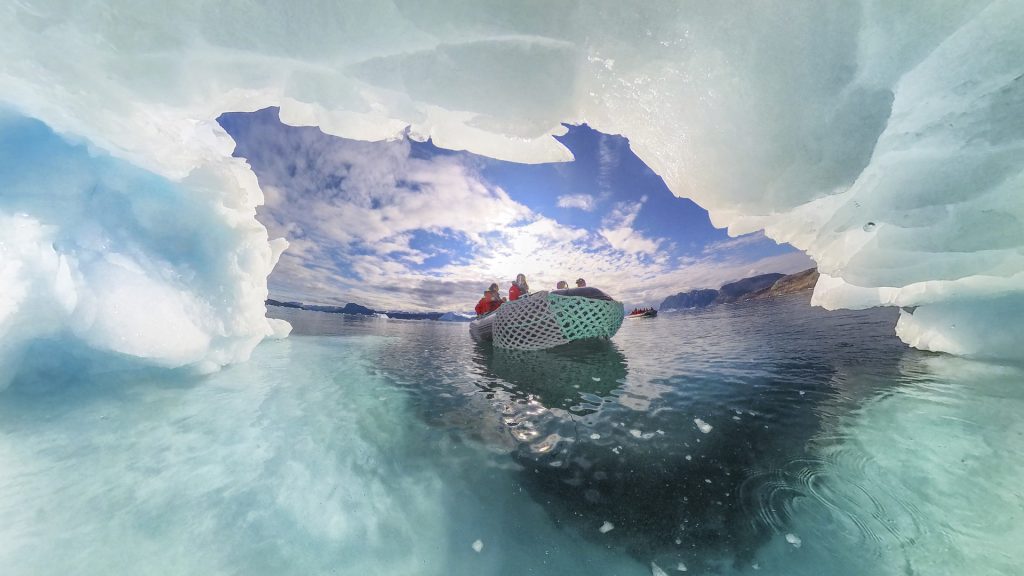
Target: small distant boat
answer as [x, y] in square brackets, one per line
[547, 319]
[643, 314]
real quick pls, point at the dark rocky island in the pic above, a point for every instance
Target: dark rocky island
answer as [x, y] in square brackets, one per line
[753, 288]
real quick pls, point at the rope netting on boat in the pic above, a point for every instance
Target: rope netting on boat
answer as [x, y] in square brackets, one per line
[544, 320]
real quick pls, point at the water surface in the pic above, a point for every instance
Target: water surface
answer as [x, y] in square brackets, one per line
[768, 438]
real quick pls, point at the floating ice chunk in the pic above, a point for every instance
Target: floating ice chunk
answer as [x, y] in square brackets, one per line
[681, 567]
[635, 433]
[688, 457]
[478, 545]
[595, 378]
[606, 527]
[656, 570]
[546, 445]
[702, 425]
[707, 480]
[794, 540]
[595, 436]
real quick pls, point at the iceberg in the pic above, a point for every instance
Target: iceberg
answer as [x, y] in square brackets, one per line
[129, 264]
[883, 139]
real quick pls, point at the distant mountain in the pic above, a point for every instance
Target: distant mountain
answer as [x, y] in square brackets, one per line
[272, 302]
[353, 308]
[349, 308]
[735, 291]
[691, 299]
[794, 283]
[414, 315]
[753, 288]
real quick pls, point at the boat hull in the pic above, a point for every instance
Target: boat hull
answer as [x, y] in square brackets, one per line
[482, 328]
[548, 319]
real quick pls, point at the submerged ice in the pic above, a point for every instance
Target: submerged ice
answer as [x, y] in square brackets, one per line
[883, 139]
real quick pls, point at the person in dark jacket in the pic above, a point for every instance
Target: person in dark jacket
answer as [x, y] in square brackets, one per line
[581, 283]
[562, 285]
[519, 288]
[490, 302]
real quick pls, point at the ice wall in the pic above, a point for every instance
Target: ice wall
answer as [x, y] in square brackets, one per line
[886, 139]
[102, 253]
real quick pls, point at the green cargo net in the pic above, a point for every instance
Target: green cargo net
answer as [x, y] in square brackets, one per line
[544, 320]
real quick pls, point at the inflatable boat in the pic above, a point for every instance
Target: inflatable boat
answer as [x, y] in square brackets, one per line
[644, 314]
[546, 319]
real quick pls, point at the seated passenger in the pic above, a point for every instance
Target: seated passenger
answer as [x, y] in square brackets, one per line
[519, 288]
[581, 283]
[562, 285]
[490, 302]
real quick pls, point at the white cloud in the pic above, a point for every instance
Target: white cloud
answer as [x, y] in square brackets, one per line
[584, 202]
[619, 233]
[352, 211]
[739, 242]
[608, 161]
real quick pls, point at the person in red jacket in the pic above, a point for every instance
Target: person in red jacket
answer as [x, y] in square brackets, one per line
[490, 302]
[519, 288]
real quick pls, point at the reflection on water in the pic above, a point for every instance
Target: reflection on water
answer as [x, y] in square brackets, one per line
[767, 438]
[577, 376]
[722, 439]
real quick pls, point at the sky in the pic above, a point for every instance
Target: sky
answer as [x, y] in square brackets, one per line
[405, 225]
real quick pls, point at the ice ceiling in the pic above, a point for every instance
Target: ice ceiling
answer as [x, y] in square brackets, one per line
[886, 139]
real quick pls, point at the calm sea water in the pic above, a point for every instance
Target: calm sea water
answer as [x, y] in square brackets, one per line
[762, 438]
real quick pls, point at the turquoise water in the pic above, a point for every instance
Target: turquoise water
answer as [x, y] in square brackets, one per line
[763, 438]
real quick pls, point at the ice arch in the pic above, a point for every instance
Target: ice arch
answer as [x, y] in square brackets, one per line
[886, 139]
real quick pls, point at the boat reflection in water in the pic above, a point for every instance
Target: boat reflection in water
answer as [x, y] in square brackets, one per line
[577, 376]
[602, 447]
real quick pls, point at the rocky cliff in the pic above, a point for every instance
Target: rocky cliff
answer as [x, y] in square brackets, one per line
[753, 288]
[691, 299]
[794, 283]
[735, 291]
